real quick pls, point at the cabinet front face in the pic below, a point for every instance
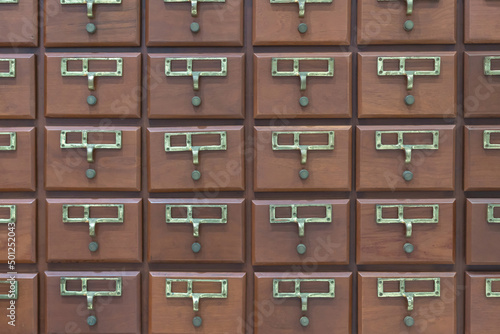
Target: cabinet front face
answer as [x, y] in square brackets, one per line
[482, 302]
[71, 23]
[18, 230]
[296, 231]
[394, 302]
[407, 84]
[302, 158]
[482, 151]
[405, 231]
[324, 22]
[198, 231]
[481, 21]
[196, 85]
[201, 23]
[193, 303]
[92, 158]
[17, 159]
[103, 302]
[19, 23]
[93, 85]
[325, 306]
[199, 159]
[396, 157]
[302, 85]
[90, 230]
[19, 303]
[483, 231]
[407, 22]
[17, 86]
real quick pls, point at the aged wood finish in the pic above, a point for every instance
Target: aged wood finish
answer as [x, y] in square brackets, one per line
[481, 21]
[19, 24]
[482, 237]
[481, 313]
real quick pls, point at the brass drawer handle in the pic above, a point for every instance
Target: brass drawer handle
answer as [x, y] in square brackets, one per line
[487, 145]
[407, 148]
[487, 65]
[410, 296]
[194, 4]
[13, 292]
[195, 150]
[303, 173]
[275, 72]
[91, 99]
[12, 214]
[11, 73]
[189, 219]
[90, 173]
[409, 99]
[303, 296]
[301, 3]
[92, 221]
[196, 296]
[90, 4]
[12, 146]
[489, 288]
[301, 222]
[92, 319]
[408, 222]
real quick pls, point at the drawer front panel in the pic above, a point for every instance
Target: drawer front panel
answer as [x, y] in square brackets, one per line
[19, 23]
[483, 231]
[481, 21]
[482, 303]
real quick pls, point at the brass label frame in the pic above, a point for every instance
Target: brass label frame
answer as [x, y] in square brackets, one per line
[90, 4]
[489, 288]
[195, 149]
[402, 68]
[8, 295]
[330, 145]
[487, 145]
[301, 3]
[91, 75]
[90, 147]
[91, 294]
[12, 146]
[195, 296]
[12, 214]
[194, 4]
[196, 75]
[407, 148]
[303, 296]
[410, 296]
[303, 75]
[487, 65]
[408, 222]
[11, 73]
[195, 221]
[92, 221]
[301, 222]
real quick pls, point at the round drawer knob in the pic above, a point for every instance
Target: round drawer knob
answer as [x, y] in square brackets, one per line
[304, 321]
[197, 321]
[196, 247]
[91, 100]
[408, 26]
[409, 321]
[408, 248]
[90, 173]
[304, 174]
[407, 175]
[195, 27]
[91, 28]
[196, 101]
[302, 28]
[409, 100]
[93, 246]
[304, 101]
[301, 249]
[91, 320]
[196, 175]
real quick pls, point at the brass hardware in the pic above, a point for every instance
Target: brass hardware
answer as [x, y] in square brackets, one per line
[195, 296]
[9, 1]
[301, 3]
[12, 146]
[491, 214]
[302, 148]
[90, 147]
[402, 68]
[407, 148]
[11, 73]
[194, 4]
[90, 4]
[195, 221]
[487, 65]
[13, 295]
[85, 69]
[487, 145]
[301, 222]
[408, 222]
[409, 5]
[12, 215]
[410, 296]
[195, 74]
[489, 288]
[301, 74]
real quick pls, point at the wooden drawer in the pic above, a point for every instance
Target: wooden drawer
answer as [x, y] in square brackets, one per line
[220, 163]
[317, 159]
[220, 308]
[215, 90]
[388, 167]
[483, 230]
[18, 230]
[196, 231]
[481, 21]
[384, 91]
[117, 308]
[104, 24]
[17, 159]
[482, 303]
[19, 314]
[80, 165]
[280, 23]
[323, 91]
[95, 85]
[94, 230]
[481, 153]
[17, 86]
[405, 231]
[394, 22]
[482, 80]
[327, 307]
[211, 23]
[383, 309]
[319, 234]
[19, 23]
